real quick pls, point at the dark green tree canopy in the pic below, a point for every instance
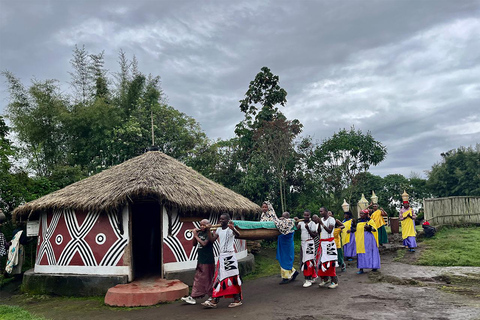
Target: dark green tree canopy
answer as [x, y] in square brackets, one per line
[458, 174]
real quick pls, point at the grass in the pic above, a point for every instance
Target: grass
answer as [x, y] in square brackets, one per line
[16, 313]
[265, 264]
[452, 247]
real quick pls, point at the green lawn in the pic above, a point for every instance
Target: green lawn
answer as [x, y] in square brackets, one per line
[452, 247]
[16, 313]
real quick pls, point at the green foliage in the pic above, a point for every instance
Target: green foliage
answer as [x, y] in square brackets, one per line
[452, 247]
[16, 313]
[458, 174]
[102, 125]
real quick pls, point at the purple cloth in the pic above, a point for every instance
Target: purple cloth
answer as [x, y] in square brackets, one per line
[203, 281]
[410, 242]
[350, 249]
[371, 258]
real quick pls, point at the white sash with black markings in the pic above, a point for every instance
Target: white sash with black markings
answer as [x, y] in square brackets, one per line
[228, 265]
[308, 250]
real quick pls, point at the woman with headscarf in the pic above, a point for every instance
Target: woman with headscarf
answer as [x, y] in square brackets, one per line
[285, 245]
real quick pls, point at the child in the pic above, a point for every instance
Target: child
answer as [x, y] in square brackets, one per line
[327, 252]
[367, 244]
[338, 241]
[308, 233]
[349, 246]
[227, 281]
[203, 281]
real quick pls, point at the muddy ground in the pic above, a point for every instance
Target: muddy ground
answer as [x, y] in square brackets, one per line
[399, 290]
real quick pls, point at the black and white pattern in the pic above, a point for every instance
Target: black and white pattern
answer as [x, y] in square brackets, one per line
[47, 232]
[78, 243]
[115, 252]
[172, 240]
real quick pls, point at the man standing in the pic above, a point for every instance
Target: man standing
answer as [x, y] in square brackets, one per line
[308, 232]
[327, 251]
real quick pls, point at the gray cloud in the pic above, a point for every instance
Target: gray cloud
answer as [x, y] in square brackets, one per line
[405, 70]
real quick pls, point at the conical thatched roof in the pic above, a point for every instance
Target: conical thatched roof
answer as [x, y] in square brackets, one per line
[153, 175]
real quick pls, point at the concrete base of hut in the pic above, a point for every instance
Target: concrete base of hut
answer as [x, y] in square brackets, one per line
[69, 284]
[245, 266]
[145, 292]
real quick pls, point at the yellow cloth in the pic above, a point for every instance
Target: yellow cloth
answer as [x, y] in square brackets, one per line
[408, 226]
[287, 274]
[360, 234]
[378, 218]
[345, 235]
[336, 235]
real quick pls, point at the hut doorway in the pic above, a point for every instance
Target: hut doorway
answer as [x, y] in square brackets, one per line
[146, 239]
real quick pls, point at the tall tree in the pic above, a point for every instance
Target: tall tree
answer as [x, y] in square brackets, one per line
[276, 140]
[266, 138]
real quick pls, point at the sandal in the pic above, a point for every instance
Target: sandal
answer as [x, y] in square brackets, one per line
[209, 304]
[235, 304]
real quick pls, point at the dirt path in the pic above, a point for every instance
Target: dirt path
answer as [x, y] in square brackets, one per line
[398, 291]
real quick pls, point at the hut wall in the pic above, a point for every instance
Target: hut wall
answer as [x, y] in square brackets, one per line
[79, 242]
[178, 250]
[452, 210]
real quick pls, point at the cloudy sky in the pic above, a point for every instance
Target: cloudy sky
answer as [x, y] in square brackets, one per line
[407, 70]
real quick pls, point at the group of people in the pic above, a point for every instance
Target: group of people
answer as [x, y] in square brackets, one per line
[326, 243]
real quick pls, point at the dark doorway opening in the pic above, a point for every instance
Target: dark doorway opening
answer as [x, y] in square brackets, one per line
[146, 239]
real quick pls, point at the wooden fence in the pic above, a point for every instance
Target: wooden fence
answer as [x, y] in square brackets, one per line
[452, 210]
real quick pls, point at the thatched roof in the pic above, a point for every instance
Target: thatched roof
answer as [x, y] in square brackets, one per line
[151, 175]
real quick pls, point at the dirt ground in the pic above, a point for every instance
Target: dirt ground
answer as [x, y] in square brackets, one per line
[399, 290]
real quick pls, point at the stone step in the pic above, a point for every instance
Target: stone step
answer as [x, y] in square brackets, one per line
[145, 292]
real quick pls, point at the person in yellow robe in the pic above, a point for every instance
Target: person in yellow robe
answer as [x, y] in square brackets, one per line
[377, 216]
[368, 256]
[407, 218]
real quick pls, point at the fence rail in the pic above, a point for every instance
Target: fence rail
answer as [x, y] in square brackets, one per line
[452, 210]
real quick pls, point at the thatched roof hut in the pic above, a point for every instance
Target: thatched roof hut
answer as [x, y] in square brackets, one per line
[151, 175]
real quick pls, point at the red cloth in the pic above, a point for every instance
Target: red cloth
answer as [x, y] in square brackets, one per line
[309, 269]
[228, 287]
[329, 265]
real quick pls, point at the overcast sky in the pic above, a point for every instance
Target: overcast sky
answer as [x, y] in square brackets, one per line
[408, 71]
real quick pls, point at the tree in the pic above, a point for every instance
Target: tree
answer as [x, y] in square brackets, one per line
[458, 174]
[276, 139]
[37, 115]
[339, 159]
[266, 140]
[259, 105]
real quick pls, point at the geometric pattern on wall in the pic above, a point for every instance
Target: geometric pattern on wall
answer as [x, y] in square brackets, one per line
[178, 245]
[77, 238]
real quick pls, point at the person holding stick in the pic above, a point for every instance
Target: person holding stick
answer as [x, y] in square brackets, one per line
[203, 280]
[327, 255]
[308, 232]
[227, 282]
